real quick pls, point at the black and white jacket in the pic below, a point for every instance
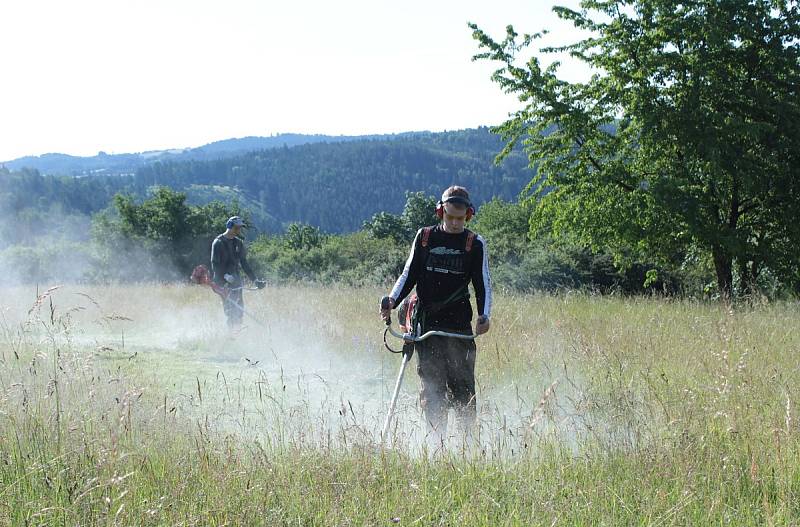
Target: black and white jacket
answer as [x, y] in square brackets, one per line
[441, 266]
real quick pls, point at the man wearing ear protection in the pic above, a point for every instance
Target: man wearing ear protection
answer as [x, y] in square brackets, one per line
[227, 255]
[444, 260]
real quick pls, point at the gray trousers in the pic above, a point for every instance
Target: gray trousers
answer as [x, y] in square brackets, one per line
[233, 313]
[446, 368]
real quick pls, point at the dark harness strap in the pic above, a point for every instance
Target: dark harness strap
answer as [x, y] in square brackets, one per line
[420, 312]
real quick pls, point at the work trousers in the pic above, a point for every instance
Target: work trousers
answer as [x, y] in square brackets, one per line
[234, 307]
[446, 368]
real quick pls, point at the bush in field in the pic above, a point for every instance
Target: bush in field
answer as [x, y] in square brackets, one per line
[357, 258]
[419, 211]
[505, 226]
[385, 225]
[47, 261]
[299, 236]
[376, 254]
[543, 263]
[161, 238]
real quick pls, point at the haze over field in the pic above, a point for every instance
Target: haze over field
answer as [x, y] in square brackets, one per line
[318, 351]
[133, 405]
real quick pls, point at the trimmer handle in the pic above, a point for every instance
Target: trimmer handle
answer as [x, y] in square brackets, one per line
[386, 305]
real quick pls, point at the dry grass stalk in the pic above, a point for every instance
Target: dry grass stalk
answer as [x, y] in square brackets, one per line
[539, 412]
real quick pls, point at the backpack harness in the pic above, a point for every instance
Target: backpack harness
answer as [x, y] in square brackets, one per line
[426, 234]
[414, 315]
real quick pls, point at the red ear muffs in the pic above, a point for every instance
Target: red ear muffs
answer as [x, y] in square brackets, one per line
[440, 211]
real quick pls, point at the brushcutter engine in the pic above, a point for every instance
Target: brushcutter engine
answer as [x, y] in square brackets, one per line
[202, 276]
[406, 312]
[405, 318]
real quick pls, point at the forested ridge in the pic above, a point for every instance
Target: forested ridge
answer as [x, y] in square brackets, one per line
[335, 186]
[55, 164]
[339, 211]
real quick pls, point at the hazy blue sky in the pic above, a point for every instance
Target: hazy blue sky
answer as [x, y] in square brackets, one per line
[127, 76]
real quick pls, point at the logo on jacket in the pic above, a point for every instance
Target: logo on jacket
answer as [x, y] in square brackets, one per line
[445, 260]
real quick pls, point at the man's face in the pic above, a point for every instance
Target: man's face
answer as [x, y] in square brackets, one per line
[236, 230]
[455, 217]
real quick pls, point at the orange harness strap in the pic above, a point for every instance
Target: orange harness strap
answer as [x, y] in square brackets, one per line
[470, 239]
[426, 233]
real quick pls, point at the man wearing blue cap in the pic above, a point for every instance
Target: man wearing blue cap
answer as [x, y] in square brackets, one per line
[228, 253]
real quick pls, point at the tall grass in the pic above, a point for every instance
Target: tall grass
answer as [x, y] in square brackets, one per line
[133, 406]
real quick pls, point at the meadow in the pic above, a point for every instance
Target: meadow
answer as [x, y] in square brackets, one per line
[133, 405]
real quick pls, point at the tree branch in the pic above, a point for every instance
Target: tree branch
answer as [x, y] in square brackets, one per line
[580, 141]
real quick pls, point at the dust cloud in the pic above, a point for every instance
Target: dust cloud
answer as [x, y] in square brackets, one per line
[307, 368]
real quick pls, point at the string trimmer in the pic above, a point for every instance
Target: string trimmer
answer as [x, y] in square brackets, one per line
[202, 276]
[410, 336]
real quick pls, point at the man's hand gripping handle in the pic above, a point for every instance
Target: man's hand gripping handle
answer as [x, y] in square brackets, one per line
[387, 304]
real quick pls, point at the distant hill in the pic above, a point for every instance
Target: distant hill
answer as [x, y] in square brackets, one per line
[67, 165]
[337, 186]
[334, 185]
[124, 164]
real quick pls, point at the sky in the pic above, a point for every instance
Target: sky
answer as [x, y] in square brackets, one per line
[119, 76]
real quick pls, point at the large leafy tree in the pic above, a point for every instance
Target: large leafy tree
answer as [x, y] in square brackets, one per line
[685, 139]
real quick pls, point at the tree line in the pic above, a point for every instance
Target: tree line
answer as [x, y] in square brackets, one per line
[163, 238]
[674, 167]
[336, 186]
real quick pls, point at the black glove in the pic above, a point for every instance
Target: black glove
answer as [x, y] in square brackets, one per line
[408, 349]
[261, 283]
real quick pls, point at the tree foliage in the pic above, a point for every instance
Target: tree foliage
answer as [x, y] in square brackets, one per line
[161, 238]
[338, 186]
[299, 236]
[506, 225]
[419, 211]
[354, 259]
[685, 139]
